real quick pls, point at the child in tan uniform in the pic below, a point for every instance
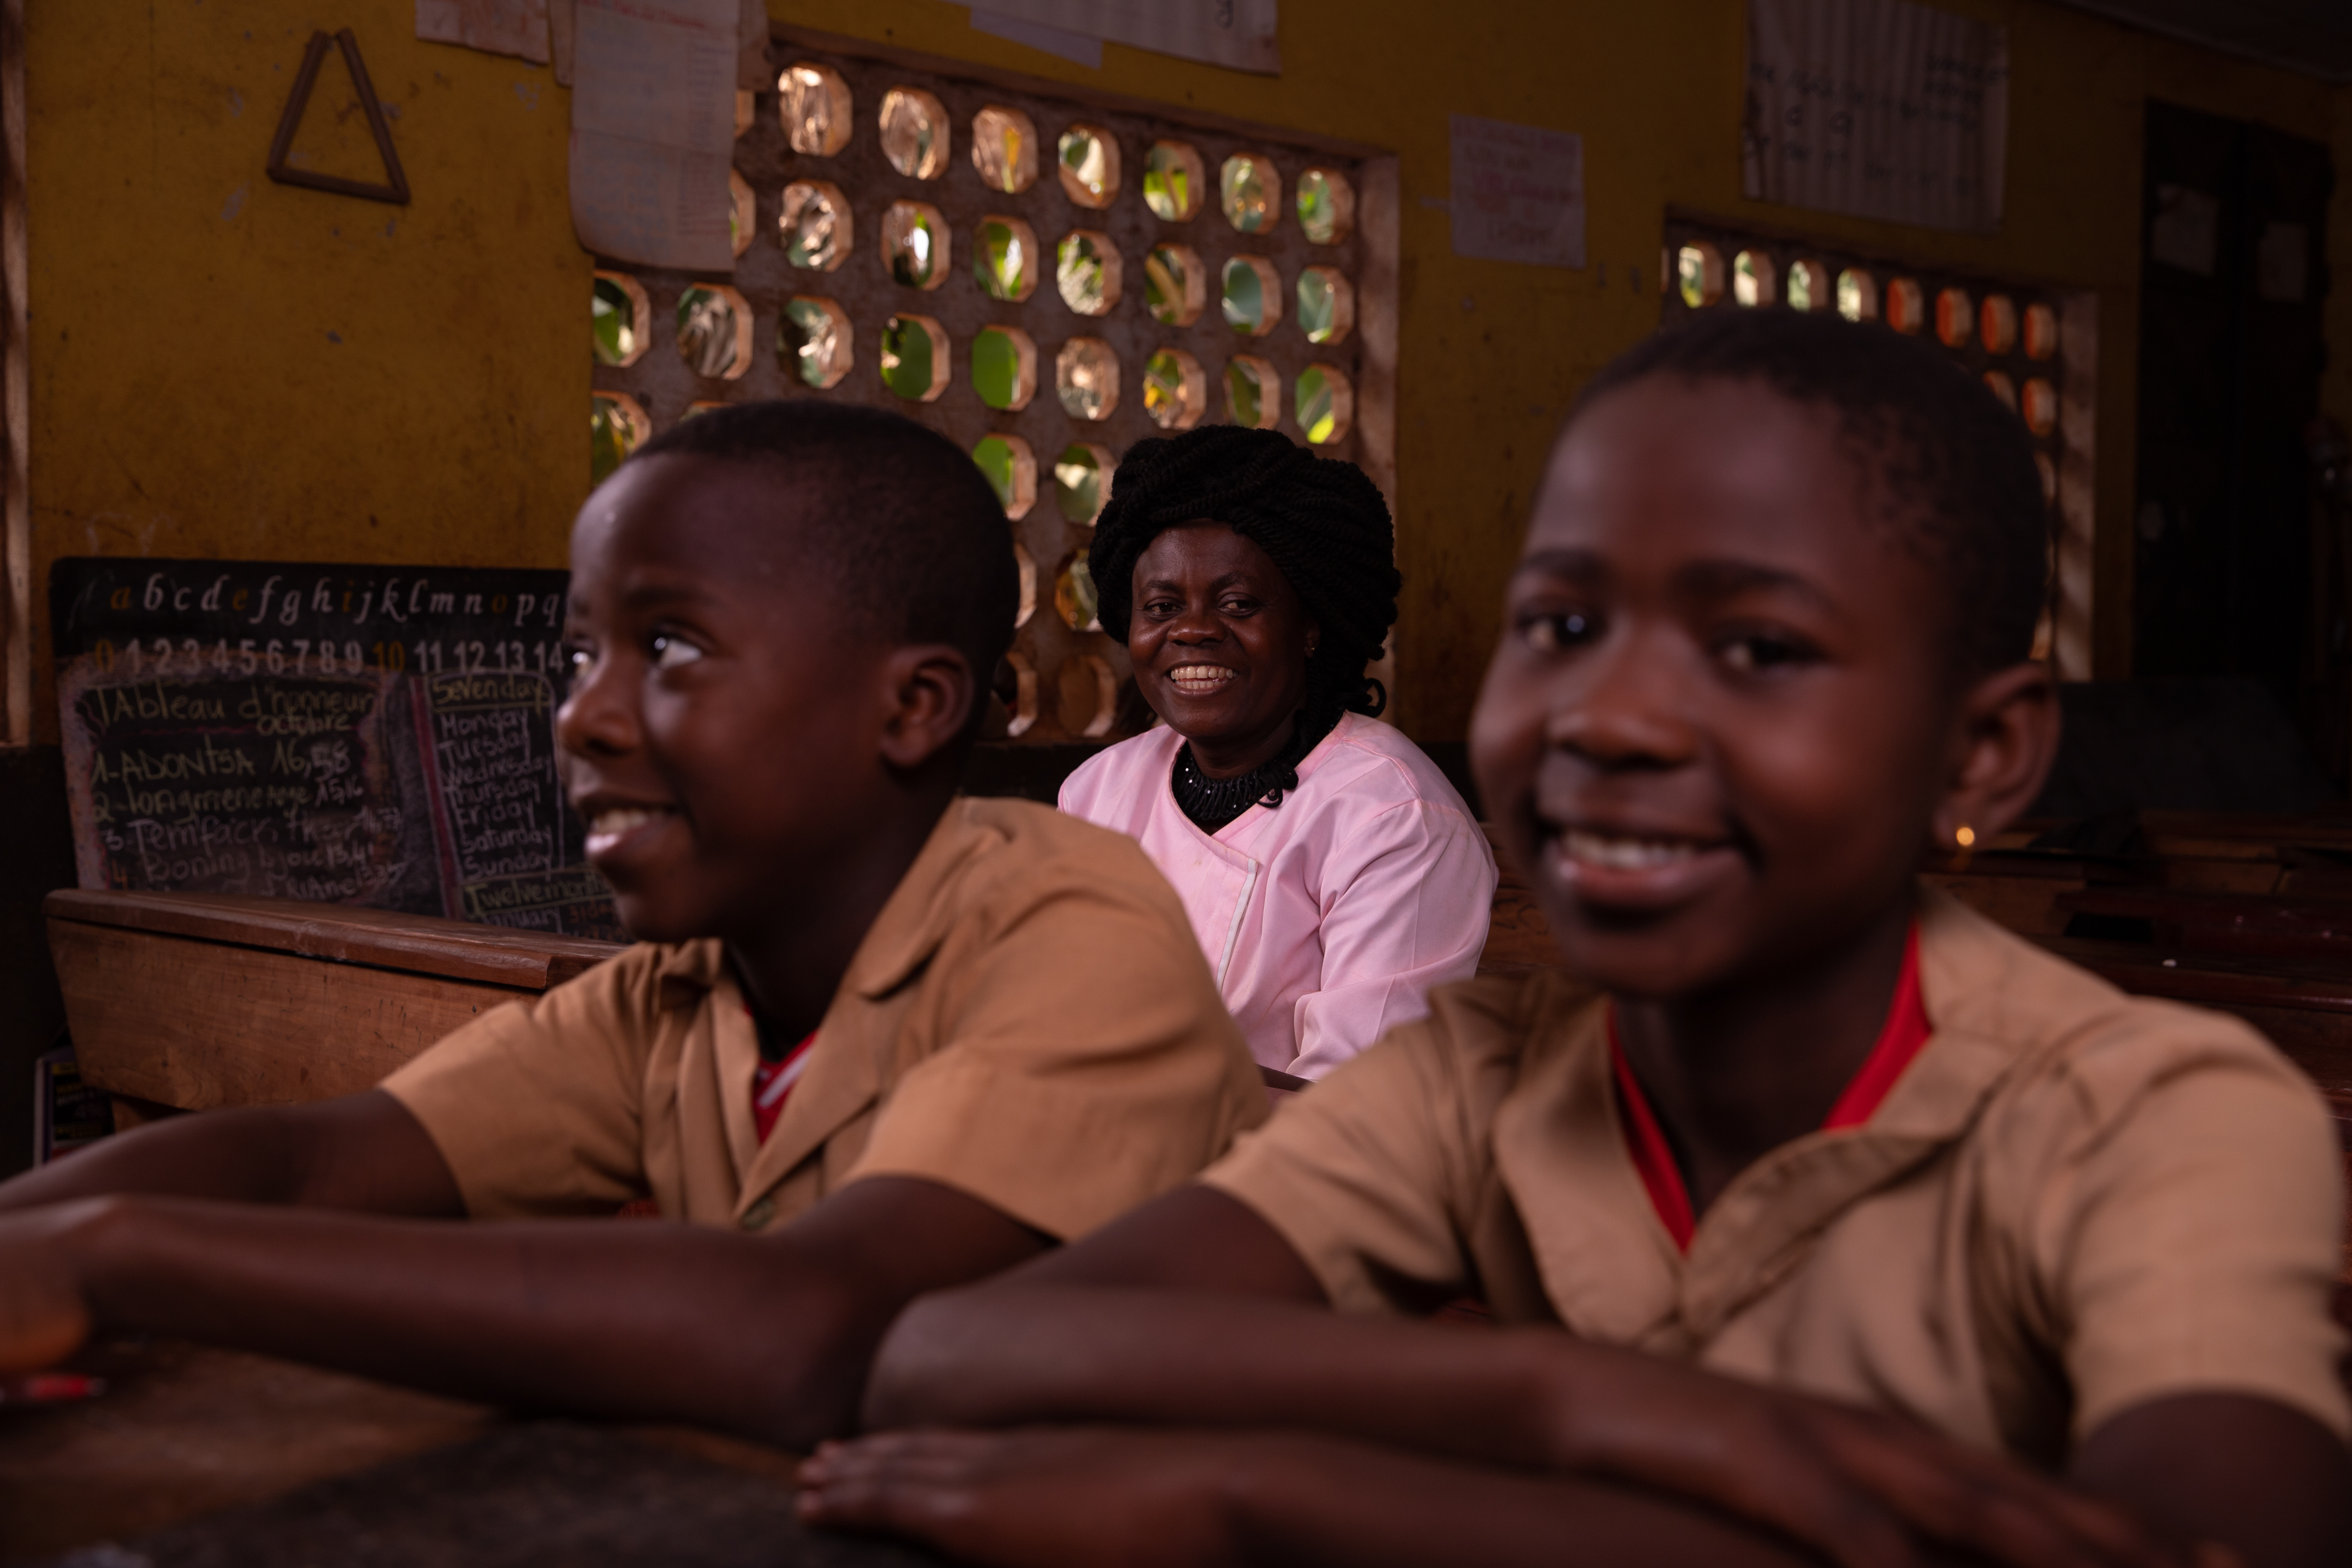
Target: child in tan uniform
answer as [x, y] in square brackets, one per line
[1821, 1212]
[863, 1044]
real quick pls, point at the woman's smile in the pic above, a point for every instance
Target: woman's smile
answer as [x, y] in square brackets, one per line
[1201, 680]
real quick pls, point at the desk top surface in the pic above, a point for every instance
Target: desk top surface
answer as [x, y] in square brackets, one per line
[348, 934]
[195, 1458]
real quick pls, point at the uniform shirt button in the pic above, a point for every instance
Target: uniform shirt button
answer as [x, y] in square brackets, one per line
[757, 1216]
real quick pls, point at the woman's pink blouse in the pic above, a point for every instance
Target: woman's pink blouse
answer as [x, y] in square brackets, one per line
[1328, 919]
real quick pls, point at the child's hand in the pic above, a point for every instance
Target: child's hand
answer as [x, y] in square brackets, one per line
[43, 1316]
[1040, 1496]
[1862, 1486]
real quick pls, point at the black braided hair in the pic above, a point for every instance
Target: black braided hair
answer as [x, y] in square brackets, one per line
[1322, 522]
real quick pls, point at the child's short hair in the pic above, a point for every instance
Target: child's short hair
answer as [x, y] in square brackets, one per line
[1954, 465]
[904, 532]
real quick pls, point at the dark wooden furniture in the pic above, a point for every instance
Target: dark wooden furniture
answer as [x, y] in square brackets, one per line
[189, 1002]
[194, 1000]
[200, 1457]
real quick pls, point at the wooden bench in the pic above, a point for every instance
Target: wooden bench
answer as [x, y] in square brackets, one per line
[189, 1002]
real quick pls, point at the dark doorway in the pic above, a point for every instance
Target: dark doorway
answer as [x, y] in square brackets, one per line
[2233, 273]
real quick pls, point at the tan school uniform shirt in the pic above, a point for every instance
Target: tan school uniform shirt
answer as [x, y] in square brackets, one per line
[2073, 1201]
[1029, 1021]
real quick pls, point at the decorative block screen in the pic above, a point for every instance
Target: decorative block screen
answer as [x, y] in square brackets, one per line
[2035, 347]
[1046, 282]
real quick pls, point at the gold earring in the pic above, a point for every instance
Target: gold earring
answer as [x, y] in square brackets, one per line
[1964, 836]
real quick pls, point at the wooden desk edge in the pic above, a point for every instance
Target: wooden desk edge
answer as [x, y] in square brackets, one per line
[527, 960]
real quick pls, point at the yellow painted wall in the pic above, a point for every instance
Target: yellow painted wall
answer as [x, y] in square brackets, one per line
[222, 366]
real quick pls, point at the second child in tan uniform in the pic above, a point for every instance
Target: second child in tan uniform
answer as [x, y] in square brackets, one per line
[1823, 1217]
[875, 1039]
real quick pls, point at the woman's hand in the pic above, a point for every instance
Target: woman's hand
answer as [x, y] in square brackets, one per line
[44, 1315]
[1034, 1495]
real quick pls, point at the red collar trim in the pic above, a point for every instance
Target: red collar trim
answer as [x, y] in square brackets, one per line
[1653, 1159]
[1900, 1039]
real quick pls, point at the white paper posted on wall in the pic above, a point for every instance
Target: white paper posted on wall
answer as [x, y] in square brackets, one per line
[1235, 33]
[1877, 108]
[653, 129]
[1518, 193]
[518, 27]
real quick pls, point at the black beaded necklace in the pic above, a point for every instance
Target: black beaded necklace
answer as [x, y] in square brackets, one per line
[1213, 803]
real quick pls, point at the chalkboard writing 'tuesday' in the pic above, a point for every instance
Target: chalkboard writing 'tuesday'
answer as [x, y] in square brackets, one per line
[373, 735]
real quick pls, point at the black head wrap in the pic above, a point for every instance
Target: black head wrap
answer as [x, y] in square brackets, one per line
[1321, 521]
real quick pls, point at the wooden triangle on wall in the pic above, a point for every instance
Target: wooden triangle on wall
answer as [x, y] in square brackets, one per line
[396, 186]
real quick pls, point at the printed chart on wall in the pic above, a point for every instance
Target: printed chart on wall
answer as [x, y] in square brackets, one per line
[343, 734]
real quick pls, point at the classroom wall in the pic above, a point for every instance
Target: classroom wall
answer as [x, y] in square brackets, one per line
[227, 367]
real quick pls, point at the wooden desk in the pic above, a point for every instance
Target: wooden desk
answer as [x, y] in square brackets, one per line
[2281, 925]
[197, 1457]
[193, 1001]
[2015, 879]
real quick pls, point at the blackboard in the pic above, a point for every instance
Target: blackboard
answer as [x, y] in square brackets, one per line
[346, 734]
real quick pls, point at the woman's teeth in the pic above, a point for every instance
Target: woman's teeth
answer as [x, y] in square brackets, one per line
[1195, 679]
[1617, 853]
[609, 826]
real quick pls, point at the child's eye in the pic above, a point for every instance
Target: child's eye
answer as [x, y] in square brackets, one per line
[576, 661]
[1757, 651]
[1558, 633]
[670, 650]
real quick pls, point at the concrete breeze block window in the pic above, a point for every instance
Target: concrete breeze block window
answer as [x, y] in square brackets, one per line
[1046, 282]
[2034, 348]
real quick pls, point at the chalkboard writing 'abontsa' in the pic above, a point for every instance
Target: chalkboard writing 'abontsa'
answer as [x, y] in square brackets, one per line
[371, 735]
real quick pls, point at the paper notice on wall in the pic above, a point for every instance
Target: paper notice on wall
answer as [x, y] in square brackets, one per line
[653, 129]
[1235, 33]
[1879, 108]
[499, 27]
[755, 69]
[1079, 49]
[1518, 193]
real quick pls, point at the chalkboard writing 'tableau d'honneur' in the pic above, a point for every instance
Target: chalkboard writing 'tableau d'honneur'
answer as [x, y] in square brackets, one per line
[348, 734]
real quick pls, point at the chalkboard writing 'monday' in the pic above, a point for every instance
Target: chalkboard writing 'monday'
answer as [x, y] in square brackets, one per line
[351, 734]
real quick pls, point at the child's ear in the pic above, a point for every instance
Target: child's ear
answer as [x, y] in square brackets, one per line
[2005, 741]
[930, 692]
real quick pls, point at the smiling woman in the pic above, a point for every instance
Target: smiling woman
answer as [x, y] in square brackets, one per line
[1330, 872]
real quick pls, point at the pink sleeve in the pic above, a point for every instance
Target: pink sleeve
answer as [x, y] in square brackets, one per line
[1406, 898]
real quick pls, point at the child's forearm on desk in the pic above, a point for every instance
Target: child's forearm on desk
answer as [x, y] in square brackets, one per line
[765, 1336]
[1848, 1481]
[1011, 1354]
[365, 1153]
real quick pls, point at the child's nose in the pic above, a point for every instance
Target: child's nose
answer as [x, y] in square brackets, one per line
[1620, 711]
[597, 719]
